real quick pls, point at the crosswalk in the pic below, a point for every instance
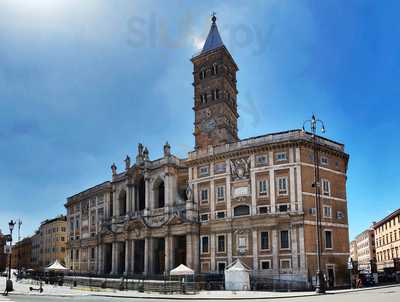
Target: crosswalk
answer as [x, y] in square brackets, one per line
[5, 298]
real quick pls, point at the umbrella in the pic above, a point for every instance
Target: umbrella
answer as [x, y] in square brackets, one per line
[56, 266]
[181, 270]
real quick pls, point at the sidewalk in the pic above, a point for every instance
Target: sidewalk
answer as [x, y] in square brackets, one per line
[22, 288]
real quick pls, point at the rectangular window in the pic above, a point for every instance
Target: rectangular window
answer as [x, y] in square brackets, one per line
[326, 187]
[265, 264]
[312, 211]
[204, 196]
[220, 215]
[203, 171]
[204, 244]
[283, 208]
[242, 243]
[221, 243]
[282, 186]
[281, 156]
[324, 160]
[221, 267]
[261, 160]
[220, 168]
[204, 217]
[328, 239]
[285, 264]
[284, 239]
[339, 215]
[220, 193]
[264, 209]
[92, 253]
[327, 212]
[263, 187]
[264, 241]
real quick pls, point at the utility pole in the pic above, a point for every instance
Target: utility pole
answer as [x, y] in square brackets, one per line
[19, 222]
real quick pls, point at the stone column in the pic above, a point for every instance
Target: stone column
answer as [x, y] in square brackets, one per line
[114, 258]
[212, 254]
[275, 251]
[255, 250]
[196, 255]
[148, 204]
[272, 189]
[126, 270]
[129, 199]
[167, 252]
[229, 247]
[295, 265]
[189, 251]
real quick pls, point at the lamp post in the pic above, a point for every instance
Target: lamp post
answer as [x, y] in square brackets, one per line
[314, 123]
[9, 285]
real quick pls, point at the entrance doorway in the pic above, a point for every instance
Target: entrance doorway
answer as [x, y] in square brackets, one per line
[107, 258]
[121, 258]
[159, 255]
[139, 257]
[331, 276]
[180, 250]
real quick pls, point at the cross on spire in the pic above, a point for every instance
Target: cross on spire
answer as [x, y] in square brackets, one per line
[213, 17]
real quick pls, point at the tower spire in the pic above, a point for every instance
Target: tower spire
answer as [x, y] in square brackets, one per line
[213, 40]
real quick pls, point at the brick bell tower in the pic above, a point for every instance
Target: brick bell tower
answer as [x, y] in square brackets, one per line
[215, 93]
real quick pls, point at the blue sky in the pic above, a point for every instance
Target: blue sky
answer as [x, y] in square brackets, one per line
[82, 82]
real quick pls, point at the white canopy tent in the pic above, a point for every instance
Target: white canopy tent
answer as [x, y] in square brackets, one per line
[182, 270]
[56, 267]
[237, 276]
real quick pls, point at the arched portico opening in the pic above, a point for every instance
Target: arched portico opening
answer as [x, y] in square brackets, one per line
[122, 203]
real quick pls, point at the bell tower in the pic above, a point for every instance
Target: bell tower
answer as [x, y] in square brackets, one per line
[215, 93]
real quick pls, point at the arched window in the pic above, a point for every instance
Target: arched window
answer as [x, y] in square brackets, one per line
[122, 203]
[202, 73]
[159, 194]
[140, 195]
[215, 69]
[242, 210]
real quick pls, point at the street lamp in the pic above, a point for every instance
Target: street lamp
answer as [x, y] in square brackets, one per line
[9, 285]
[314, 123]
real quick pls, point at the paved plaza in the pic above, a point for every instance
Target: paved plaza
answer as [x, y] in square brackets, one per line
[64, 293]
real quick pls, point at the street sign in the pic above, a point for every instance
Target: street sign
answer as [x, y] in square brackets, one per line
[7, 249]
[7, 237]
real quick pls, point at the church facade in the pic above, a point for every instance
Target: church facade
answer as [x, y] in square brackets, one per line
[250, 199]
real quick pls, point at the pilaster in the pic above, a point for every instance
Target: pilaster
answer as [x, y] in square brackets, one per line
[212, 250]
[255, 250]
[275, 251]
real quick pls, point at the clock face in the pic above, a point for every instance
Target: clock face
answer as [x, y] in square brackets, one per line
[208, 125]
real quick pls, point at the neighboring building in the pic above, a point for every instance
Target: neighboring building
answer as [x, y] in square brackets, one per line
[3, 257]
[387, 240]
[36, 241]
[254, 197]
[52, 243]
[353, 250]
[363, 248]
[21, 254]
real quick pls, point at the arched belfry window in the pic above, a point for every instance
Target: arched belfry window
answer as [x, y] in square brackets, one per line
[122, 203]
[202, 73]
[215, 69]
[241, 210]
